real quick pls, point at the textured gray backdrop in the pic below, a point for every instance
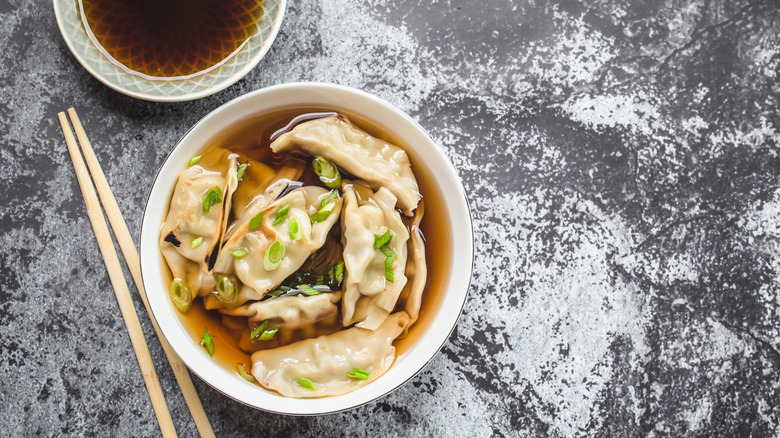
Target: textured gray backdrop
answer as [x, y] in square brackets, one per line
[621, 160]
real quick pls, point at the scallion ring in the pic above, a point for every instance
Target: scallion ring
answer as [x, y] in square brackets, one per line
[181, 295]
[227, 292]
[274, 256]
[327, 171]
[242, 372]
[196, 242]
[296, 232]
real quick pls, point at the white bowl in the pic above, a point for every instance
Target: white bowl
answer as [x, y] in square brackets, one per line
[424, 152]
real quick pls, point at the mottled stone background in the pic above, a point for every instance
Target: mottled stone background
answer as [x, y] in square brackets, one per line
[621, 160]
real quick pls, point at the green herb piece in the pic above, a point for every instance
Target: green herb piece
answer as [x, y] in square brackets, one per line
[226, 289]
[389, 259]
[213, 196]
[313, 255]
[259, 329]
[274, 256]
[295, 229]
[281, 215]
[339, 274]
[196, 242]
[240, 252]
[269, 333]
[181, 295]
[308, 290]
[331, 196]
[383, 239]
[242, 372]
[208, 342]
[358, 373]
[194, 160]
[278, 291]
[320, 216]
[328, 173]
[256, 221]
[306, 383]
[241, 170]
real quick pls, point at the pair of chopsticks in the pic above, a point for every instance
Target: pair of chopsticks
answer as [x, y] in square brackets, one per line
[119, 283]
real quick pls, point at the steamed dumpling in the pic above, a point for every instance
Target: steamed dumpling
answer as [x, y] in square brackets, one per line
[377, 162]
[417, 268]
[326, 360]
[252, 268]
[193, 229]
[369, 296]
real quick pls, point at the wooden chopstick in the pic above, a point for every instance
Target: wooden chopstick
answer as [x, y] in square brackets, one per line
[131, 258]
[121, 291]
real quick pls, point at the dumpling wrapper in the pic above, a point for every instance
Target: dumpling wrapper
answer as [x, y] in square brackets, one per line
[416, 268]
[250, 269]
[327, 359]
[368, 296]
[187, 220]
[375, 161]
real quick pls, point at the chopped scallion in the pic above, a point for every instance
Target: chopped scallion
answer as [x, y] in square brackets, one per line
[268, 334]
[327, 171]
[381, 240]
[358, 373]
[242, 372]
[181, 295]
[240, 252]
[320, 216]
[306, 383]
[213, 196]
[295, 229]
[226, 289]
[196, 242]
[256, 221]
[208, 342]
[241, 170]
[331, 196]
[340, 272]
[278, 291]
[308, 290]
[194, 160]
[274, 256]
[281, 215]
[389, 259]
[259, 329]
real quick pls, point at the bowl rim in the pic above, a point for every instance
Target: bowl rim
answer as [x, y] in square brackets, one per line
[327, 87]
[216, 88]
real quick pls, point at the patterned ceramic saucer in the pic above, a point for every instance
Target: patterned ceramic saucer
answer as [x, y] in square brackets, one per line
[205, 84]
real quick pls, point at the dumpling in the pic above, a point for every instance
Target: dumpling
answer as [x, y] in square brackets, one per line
[369, 295]
[254, 189]
[326, 360]
[197, 217]
[298, 317]
[263, 256]
[377, 162]
[416, 268]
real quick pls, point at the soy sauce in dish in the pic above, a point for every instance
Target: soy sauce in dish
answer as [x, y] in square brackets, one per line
[170, 39]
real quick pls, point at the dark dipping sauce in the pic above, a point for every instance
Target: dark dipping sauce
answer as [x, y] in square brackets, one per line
[171, 38]
[252, 138]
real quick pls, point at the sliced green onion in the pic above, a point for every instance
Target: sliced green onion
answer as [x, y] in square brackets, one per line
[194, 160]
[320, 216]
[389, 259]
[381, 240]
[295, 229]
[240, 252]
[278, 291]
[213, 196]
[358, 373]
[242, 372]
[328, 173]
[181, 295]
[281, 215]
[196, 242]
[226, 289]
[274, 256]
[313, 255]
[256, 221]
[259, 329]
[308, 290]
[331, 196]
[208, 342]
[269, 333]
[306, 383]
[340, 272]
[241, 170]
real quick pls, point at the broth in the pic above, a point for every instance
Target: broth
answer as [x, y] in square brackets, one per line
[252, 138]
[171, 38]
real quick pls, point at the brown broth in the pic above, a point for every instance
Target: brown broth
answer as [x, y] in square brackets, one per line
[171, 38]
[251, 138]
